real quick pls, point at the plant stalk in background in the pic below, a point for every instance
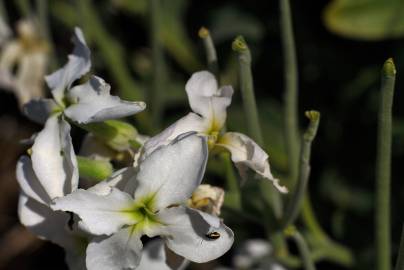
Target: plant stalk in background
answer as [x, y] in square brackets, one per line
[291, 93]
[156, 94]
[383, 167]
[210, 50]
[400, 257]
[295, 204]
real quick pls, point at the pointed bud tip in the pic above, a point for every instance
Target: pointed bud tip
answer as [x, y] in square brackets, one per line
[239, 44]
[312, 115]
[389, 69]
[203, 32]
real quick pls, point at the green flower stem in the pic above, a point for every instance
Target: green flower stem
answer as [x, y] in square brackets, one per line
[233, 188]
[114, 57]
[210, 50]
[400, 258]
[302, 247]
[295, 204]
[291, 90]
[383, 167]
[93, 169]
[156, 94]
[271, 196]
[247, 88]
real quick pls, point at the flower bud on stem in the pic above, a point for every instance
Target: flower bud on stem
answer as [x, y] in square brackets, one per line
[210, 50]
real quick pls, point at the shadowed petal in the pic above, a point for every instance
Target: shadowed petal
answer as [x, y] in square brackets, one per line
[121, 250]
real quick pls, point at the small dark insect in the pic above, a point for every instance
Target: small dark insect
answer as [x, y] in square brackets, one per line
[213, 235]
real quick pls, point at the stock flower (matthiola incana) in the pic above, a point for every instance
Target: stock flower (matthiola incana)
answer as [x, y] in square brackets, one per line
[84, 103]
[209, 104]
[51, 172]
[28, 55]
[151, 203]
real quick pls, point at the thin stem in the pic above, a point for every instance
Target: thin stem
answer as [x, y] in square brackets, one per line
[158, 62]
[247, 88]
[250, 109]
[295, 204]
[400, 258]
[210, 51]
[291, 90]
[114, 56]
[383, 167]
[302, 247]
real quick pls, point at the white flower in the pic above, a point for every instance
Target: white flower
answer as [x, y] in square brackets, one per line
[209, 104]
[85, 103]
[50, 173]
[150, 203]
[28, 54]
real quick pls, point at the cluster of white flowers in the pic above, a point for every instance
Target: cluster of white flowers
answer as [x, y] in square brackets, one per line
[101, 227]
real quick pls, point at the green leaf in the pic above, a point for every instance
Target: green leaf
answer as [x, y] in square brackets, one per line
[366, 19]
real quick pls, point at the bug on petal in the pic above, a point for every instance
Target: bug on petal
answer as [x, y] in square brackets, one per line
[213, 235]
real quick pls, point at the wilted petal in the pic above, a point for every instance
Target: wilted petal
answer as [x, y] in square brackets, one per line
[53, 158]
[190, 122]
[172, 172]
[39, 110]
[79, 63]
[93, 103]
[245, 152]
[195, 235]
[208, 199]
[44, 222]
[121, 250]
[29, 183]
[100, 214]
[206, 99]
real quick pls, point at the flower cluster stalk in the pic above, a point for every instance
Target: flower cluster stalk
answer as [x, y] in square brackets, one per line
[383, 167]
[291, 87]
[247, 88]
[295, 204]
[210, 51]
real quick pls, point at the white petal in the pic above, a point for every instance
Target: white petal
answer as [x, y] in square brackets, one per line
[245, 152]
[100, 214]
[173, 172]
[79, 63]
[188, 234]
[93, 103]
[53, 158]
[119, 251]
[29, 183]
[188, 123]
[45, 223]
[206, 99]
[39, 110]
